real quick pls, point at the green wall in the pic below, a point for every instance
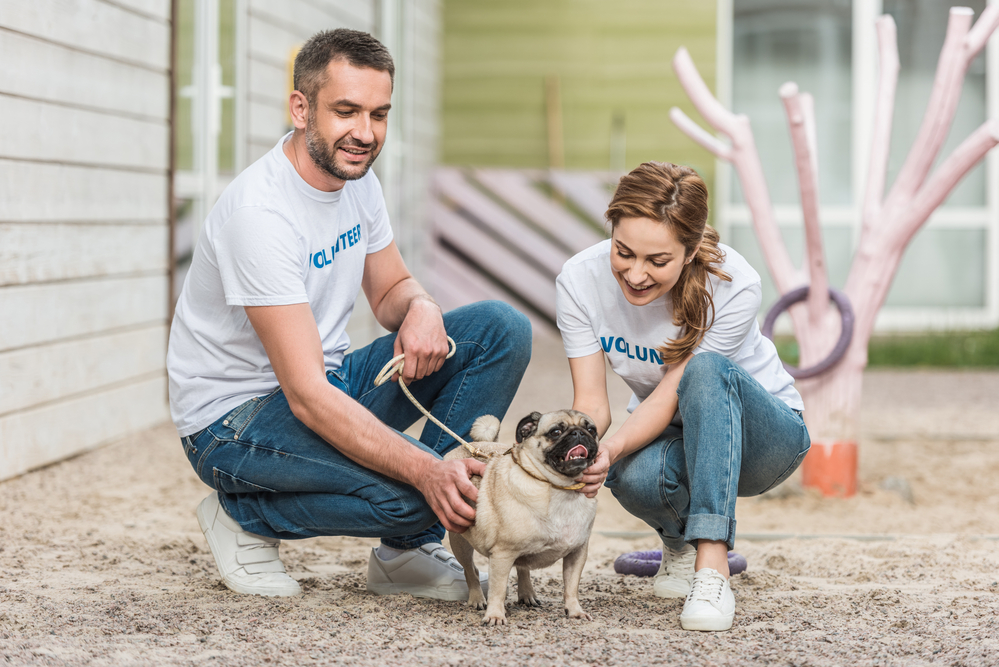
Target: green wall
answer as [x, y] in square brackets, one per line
[612, 57]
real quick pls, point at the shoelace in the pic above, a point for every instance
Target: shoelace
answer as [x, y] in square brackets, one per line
[681, 563]
[707, 587]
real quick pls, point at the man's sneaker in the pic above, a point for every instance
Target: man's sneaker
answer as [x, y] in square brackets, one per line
[675, 573]
[429, 571]
[710, 606]
[248, 563]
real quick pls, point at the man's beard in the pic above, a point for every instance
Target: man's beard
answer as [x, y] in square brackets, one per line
[325, 156]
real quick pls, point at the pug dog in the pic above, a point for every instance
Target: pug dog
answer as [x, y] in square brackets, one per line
[529, 514]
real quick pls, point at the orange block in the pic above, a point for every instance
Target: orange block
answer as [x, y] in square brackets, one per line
[831, 467]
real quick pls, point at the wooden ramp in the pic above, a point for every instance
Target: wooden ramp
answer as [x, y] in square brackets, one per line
[505, 234]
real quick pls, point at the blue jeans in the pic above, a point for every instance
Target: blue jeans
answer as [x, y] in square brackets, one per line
[279, 479]
[732, 439]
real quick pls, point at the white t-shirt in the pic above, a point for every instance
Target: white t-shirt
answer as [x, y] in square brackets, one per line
[272, 239]
[593, 315]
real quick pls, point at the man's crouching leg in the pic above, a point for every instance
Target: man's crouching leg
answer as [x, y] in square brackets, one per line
[248, 563]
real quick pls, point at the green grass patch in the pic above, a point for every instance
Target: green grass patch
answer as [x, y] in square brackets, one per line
[952, 349]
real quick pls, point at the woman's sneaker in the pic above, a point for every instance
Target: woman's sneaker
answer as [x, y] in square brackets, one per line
[675, 573]
[710, 606]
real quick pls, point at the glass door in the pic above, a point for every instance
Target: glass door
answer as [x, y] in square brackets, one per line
[206, 118]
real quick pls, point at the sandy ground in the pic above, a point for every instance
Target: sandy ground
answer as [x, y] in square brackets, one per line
[102, 563]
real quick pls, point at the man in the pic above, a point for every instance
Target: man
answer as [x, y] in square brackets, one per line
[288, 429]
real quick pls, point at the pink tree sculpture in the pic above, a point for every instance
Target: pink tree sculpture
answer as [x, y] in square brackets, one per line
[832, 399]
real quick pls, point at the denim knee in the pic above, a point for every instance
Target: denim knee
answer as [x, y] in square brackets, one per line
[504, 319]
[406, 515]
[705, 373]
[643, 485]
[705, 367]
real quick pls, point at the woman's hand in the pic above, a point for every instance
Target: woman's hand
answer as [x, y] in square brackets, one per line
[594, 476]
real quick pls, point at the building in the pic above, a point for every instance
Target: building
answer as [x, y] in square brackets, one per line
[89, 184]
[587, 85]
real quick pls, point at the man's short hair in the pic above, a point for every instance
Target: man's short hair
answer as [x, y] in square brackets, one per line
[358, 48]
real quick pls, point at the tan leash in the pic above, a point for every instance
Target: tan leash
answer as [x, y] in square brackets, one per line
[396, 365]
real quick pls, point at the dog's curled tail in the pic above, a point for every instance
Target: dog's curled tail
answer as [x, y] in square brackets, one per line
[485, 429]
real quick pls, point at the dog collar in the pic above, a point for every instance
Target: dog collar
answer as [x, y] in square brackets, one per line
[516, 459]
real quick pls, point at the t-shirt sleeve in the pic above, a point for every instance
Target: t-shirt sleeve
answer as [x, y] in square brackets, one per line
[261, 259]
[734, 320]
[379, 226]
[573, 322]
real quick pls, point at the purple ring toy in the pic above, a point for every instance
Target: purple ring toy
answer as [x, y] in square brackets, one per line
[646, 563]
[846, 330]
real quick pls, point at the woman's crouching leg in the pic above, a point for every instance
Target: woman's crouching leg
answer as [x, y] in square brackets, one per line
[652, 485]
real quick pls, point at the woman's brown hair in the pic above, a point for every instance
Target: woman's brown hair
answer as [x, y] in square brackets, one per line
[676, 196]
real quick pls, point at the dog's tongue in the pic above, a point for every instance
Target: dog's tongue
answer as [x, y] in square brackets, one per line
[577, 452]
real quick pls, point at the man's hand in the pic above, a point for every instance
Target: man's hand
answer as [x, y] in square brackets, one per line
[446, 485]
[422, 339]
[594, 476]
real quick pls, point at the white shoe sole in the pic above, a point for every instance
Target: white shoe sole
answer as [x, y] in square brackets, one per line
[418, 591]
[234, 586]
[708, 623]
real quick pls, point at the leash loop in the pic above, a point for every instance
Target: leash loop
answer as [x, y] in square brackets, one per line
[396, 364]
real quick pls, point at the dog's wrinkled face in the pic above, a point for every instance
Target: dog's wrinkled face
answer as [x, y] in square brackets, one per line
[565, 440]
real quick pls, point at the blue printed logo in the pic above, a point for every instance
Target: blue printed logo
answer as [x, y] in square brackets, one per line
[321, 260]
[624, 347]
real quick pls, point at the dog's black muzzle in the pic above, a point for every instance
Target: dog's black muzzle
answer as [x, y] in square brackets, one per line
[564, 456]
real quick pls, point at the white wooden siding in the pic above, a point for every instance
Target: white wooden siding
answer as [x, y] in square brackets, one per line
[33, 438]
[78, 367]
[48, 313]
[84, 151]
[55, 73]
[63, 193]
[151, 8]
[94, 26]
[41, 131]
[35, 253]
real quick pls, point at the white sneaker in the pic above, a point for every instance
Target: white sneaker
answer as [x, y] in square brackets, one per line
[429, 571]
[248, 563]
[710, 606]
[675, 573]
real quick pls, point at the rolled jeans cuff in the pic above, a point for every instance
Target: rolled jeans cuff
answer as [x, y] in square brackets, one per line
[428, 537]
[710, 527]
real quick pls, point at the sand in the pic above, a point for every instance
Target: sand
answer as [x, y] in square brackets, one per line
[102, 563]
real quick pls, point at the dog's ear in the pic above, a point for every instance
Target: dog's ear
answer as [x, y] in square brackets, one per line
[527, 426]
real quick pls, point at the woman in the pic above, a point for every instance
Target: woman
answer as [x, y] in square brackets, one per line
[714, 414]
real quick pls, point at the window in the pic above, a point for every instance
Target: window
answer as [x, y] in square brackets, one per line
[206, 156]
[948, 276]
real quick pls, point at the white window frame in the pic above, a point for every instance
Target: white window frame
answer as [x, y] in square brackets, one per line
[864, 81]
[203, 184]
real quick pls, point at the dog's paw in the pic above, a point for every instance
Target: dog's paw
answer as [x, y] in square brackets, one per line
[494, 619]
[577, 612]
[530, 601]
[476, 600]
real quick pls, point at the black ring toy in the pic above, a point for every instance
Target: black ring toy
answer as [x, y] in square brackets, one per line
[846, 333]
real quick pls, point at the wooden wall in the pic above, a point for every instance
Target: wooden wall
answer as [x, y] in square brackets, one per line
[84, 148]
[611, 58]
[84, 229]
